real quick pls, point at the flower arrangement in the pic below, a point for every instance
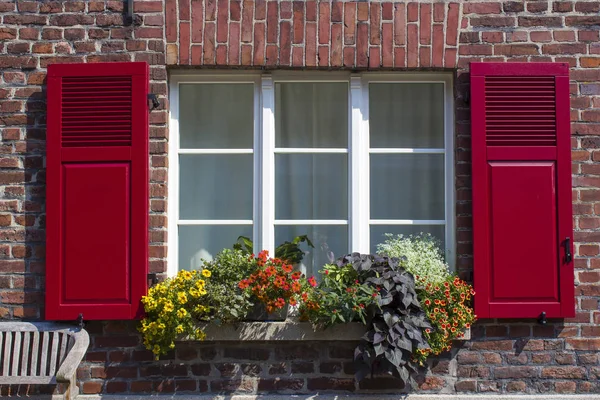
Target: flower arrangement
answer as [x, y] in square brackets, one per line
[173, 308]
[445, 298]
[447, 306]
[340, 297]
[274, 283]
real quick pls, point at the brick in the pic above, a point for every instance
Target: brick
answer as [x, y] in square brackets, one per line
[341, 384]
[583, 344]
[582, 21]
[572, 48]
[298, 22]
[537, 7]
[481, 8]
[541, 36]
[505, 345]
[493, 22]
[362, 45]
[285, 9]
[563, 372]
[362, 11]
[587, 7]
[473, 372]
[348, 57]
[272, 385]
[452, 25]
[513, 6]
[324, 23]
[399, 24]
[588, 36]
[425, 24]
[564, 36]
[466, 386]
[29, 19]
[562, 6]
[311, 10]
[515, 372]
[222, 20]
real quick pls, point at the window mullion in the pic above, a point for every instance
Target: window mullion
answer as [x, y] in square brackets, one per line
[267, 156]
[359, 167]
[173, 187]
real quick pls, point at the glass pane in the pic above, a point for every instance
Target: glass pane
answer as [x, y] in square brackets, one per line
[311, 186]
[203, 242]
[406, 115]
[331, 242]
[311, 114]
[215, 186]
[378, 233]
[216, 116]
[407, 186]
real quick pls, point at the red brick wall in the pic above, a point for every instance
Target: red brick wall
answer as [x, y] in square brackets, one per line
[504, 356]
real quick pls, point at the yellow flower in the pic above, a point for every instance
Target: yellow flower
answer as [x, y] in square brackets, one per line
[206, 273]
[179, 329]
[194, 292]
[187, 275]
[181, 313]
[169, 306]
[181, 296]
[200, 335]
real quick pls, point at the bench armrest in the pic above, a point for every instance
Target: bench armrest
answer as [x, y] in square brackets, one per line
[73, 359]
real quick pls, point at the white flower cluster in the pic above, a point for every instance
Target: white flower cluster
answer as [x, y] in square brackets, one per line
[419, 254]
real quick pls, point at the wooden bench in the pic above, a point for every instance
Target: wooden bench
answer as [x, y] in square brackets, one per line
[42, 353]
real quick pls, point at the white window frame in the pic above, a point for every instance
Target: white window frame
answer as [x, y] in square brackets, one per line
[264, 156]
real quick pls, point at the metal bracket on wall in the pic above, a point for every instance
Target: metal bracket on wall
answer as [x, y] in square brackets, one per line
[542, 319]
[129, 11]
[80, 322]
[154, 99]
[153, 279]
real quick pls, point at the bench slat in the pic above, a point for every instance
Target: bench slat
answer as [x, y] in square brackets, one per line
[16, 355]
[25, 357]
[44, 350]
[54, 353]
[64, 338]
[25, 380]
[34, 354]
[7, 345]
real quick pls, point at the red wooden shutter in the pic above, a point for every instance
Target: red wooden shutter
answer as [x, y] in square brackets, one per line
[97, 190]
[522, 212]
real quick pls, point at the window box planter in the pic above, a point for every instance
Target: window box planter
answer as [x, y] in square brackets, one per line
[290, 329]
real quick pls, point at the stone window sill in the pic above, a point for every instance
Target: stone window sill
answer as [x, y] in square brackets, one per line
[289, 330]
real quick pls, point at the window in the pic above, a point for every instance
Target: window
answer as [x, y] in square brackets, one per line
[342, 158]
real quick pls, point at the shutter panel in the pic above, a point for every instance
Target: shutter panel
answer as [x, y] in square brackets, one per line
[522, 212]
[97, 190]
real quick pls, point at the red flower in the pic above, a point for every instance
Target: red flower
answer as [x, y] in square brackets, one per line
[312, 281]
[427, 302]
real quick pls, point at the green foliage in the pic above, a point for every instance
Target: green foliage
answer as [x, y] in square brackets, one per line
[395, 329]
[339, 298]
[420, 254]
[287, 251]
[229, 303]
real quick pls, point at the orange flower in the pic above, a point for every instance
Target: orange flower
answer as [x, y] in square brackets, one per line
[312, 281]
[427, 302]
